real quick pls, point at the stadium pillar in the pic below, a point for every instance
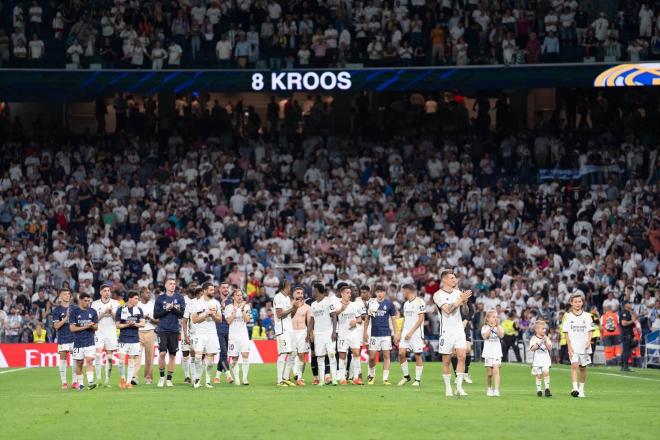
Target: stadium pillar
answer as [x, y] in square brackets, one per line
[166, 119]
[342, 104]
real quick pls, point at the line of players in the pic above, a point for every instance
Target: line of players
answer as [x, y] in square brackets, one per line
[330, 325]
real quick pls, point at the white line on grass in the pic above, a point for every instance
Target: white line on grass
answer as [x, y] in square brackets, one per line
[15, 370]
[602, 373]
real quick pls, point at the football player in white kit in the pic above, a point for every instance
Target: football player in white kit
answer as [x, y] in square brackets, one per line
[284, 310]
[349, 335]
[106, 334]
[492, 332]
[187, 350]
[206, 313]
[579, 328]
[238, 315]
[411, 335]
[323, 331]
[452, 334]
[300, 338]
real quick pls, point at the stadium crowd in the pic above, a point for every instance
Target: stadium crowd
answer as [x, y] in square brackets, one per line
[278, 34]
[215, 194]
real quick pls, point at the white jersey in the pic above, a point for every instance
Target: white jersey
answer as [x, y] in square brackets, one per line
[210, 306]
[238, 327]
[540, 357]
[188, 313]
[450, 322]
[362, 307]
[282, 325]
[321, 312]
[577, 328]
[350, 313]
[492, 345]
[106, 325]
[411, 311]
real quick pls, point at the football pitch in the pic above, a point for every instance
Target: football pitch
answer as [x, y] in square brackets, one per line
[617, 406]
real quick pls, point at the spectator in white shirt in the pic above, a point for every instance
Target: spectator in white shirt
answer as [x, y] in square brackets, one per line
[174, 55]
[158, 55]
[37, 51]
[223, 52]
[74, 51]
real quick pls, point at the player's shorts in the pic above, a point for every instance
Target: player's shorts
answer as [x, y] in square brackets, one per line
[349, 342]
[206, 343]
[323, 344]
[451, 340]
[130, 348]
[168, 342]
[300, 345]
[582, 359]
[285, 343]
[65, 347]
[237, 346]
[106, 341]
[380, 343]
[540, 369]
[80, 353]
[492, 362]
[414, 344]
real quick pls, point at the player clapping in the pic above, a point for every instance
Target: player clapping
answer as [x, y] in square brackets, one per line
[452, 334]
[238, 315]
[541, 345]
[492, 332]
[83, 325]
[323, 331]
[62, 316]
[349, 317]
[106, 335]
[379, 313]
[205, 314]
[129, 319]
[411, 336]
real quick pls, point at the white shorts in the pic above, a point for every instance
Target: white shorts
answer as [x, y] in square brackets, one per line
[300, 345]
[492, 362]
[349, 342]
[106, 342]
[583, 359]
[130, 348]
[208, 344]
[323, 344]
[415, 344]
[81, 353]
[285, 343]
[380, 343]
[540, 369]
[237, 346]
[187, 347]
[65, 347]
[451, 340]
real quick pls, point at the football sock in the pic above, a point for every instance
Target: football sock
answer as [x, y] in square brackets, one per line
[538, 384]
[246, 369]
[447, 379]
[418, 372]
[98, 366]
[108, 367]
[62, 366]
[547, 382]
[90, 377]
[288, 367]
[210, 364]
[280, 367]
[459, 380]
[169, 375]
[404, 368]
[581, 387]
[341, 374]
[386, 375]
[333, 366]
[321, 361]
[186, 366]
[372, 371]
[356, 367]
[130, 370]
[162, 372]
[575, 387]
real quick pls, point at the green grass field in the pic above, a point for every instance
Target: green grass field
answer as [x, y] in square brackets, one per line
[617, 406]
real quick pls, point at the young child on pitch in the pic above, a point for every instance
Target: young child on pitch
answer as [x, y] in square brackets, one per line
[541, 347]
[492, 332]
[579, 328]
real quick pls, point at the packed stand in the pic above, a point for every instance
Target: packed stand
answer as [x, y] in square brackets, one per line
[276, 34]
[220, 195]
